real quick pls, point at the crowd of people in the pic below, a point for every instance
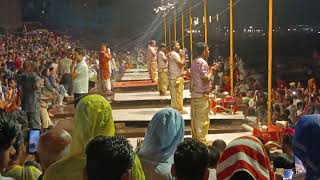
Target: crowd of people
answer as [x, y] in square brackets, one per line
[42, 69]
[93, 151]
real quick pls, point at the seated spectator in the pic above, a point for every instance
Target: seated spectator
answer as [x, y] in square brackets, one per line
[262, 115]
[251, 104]
[12, 97]
[101, 151]
[292, 109]
[2, 95]
[276, 114]
[25, 172]
[165, 131]
[54, 82]
[46, 122]
[285, 116]
[214, 156]
[93, 117]
[281, 161]
[191, 161]
[306, 147]
[287, 146]
[245, 158]
[48, 89]
[54, 144]
[8, 132]
[219, 144]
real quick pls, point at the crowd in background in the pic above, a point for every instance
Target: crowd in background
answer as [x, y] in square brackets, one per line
[92, 151]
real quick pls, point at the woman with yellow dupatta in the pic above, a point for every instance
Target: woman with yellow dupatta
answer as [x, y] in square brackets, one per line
[93, 117]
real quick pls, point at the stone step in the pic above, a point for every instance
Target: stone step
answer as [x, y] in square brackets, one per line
[140, 131]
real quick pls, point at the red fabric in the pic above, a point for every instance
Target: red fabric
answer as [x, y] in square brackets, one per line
[226, 104]
[245, 154]
[240, 165]
[270, 135]
[18, 63]
[281, 84]
[104, 65]
[249, 152]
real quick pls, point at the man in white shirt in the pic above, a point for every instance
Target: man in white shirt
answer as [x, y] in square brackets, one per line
[163, 70]
[152, 61]
[175, 68]
[80, 76]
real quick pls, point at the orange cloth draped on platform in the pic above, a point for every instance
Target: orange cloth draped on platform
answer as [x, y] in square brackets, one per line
[104, 60]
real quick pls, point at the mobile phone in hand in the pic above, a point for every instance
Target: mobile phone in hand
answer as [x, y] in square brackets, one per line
[33, 140]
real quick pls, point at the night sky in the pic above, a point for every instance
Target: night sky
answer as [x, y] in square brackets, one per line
[255, 12]
[131, 18]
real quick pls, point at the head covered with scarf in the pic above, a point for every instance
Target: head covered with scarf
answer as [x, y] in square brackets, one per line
[245, 154]
[164, 133]
[93, 117]
[306, 147]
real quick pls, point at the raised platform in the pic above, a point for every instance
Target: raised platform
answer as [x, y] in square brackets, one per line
[145, 96]
[146, 114]
[135, 76]
[134, 84]
[136, 70]
[135, 101]
[227, 137]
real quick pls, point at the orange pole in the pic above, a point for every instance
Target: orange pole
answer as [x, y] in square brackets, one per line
[175, 26]
[205, 22]
[182, 28]
[270, 34]
[231, 49]
[190, 29]
[165, 29]
[169, 26]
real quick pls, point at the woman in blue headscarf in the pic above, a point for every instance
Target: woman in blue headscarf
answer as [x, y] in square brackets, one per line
[165, 132]
[306, 146]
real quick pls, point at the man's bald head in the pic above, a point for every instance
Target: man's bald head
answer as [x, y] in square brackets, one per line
[53, 145]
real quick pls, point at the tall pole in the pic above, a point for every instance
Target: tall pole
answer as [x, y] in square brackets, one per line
[182, 26]
[231, 48]
[205, 22]
[175, 26]
[190, 29]
[270, 61]
[165, 29]
[169, 26]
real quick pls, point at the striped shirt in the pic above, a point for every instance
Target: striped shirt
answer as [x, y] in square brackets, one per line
[245, 154]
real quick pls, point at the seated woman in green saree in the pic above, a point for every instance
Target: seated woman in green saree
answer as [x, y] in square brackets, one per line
[93, 117]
